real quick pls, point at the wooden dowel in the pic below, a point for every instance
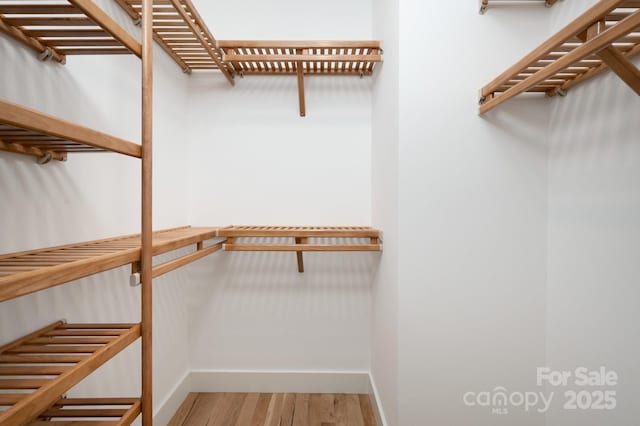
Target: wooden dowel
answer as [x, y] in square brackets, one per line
[84, 412]
[184, 260]
[33, 370]
[146, 260]
[301, 100]
[303, 248]
[42, 359]
[299, 254]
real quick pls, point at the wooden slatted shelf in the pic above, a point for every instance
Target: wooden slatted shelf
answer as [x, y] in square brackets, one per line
[91, 412]
[605, 37]
[27, 272]
[30, 132]
[301, 236]
[249, 57]
[484, 4]
[301, 58]
[37, 369]
[58, 29]
[179, 29]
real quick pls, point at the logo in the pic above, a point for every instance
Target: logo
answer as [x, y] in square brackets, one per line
[586, 390]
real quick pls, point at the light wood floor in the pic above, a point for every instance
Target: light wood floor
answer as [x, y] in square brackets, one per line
[274, 409]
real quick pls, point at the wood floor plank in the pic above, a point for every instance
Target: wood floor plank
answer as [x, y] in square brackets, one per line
[301, 410]
[180, 416]
[203, 409]
[321, 409]
[279, 409]
[288, 407]
[248, 408]
[354, 413]
[274, 411]
[367, 410]
[340, 408]
[260, 414]
[228, 409]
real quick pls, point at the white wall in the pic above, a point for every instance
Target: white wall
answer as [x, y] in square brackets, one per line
[594, 223]
[384, 170]
[472, 224]
[255, 161]
[95, 196]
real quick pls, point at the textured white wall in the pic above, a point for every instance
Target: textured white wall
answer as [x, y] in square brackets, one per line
[472, 223]
[594, 224]
[255, 161]
[95, 196]
[384, 194]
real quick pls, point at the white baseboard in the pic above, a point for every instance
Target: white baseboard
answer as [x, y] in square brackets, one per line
[279, 381]
[376, 403]
[170, 405]
[359, 382]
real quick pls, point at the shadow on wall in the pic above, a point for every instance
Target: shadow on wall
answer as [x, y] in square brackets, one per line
[276, 97]
[257, 302]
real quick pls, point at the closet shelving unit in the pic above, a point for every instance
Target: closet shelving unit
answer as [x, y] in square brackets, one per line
[60, 356]
[605, 37]
[181, 32]
[36, 370]
[484, 4]
[300, 239]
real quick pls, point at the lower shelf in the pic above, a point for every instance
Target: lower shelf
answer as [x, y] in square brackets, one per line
[36, 370]
[91, 412]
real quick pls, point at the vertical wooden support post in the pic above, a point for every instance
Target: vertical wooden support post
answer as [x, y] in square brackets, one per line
[300, 71]
[300, 240]
[147, 227]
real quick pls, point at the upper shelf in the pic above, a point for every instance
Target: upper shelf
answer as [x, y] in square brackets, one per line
[76, 27]
[604, 37]
[484, 4]
[27, 272]
[312, 57]
[179, 29]
[26, 131]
